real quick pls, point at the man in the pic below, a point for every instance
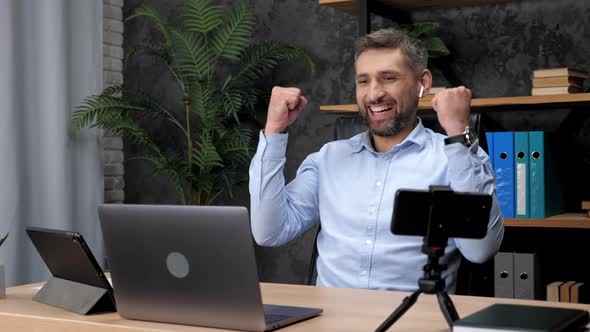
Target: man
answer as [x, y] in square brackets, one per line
[350, 184]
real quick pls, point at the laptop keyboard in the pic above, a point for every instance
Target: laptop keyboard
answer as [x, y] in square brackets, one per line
[272, 318]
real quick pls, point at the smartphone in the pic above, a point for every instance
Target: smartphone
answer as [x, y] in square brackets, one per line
[459, 214]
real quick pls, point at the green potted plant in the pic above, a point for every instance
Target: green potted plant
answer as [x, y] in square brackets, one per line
[215, 63]
[438, 53]
[421, 30]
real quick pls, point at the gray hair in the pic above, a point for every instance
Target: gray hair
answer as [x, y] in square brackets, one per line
[413, 48]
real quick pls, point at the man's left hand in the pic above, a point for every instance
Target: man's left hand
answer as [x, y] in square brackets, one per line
[452, 107]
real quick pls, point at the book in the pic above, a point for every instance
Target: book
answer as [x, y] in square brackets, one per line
[564, 291]
[508, 317]
[579, 293]
[542, 82]
[552, 72]
[553, 291]
[555, 90]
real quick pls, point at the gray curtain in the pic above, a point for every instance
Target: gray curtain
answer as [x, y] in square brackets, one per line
[50, 59]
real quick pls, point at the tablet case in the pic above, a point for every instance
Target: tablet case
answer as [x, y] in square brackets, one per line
[78, 283]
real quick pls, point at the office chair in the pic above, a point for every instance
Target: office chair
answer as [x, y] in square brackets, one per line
[348, 126]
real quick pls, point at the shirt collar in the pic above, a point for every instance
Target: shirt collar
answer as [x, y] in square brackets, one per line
[417, 136]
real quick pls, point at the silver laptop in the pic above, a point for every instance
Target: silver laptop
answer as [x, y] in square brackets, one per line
[190, 265]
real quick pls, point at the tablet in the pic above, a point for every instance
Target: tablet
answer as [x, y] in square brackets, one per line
[68, 257]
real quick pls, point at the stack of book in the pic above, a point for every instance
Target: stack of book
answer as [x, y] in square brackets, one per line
[568, 292]
[557, 81]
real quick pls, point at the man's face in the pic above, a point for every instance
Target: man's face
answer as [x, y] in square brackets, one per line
[386, 91]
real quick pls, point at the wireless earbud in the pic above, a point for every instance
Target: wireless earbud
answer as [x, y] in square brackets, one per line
[421, 91]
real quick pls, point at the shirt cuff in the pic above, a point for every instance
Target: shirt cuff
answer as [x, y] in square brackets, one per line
[461, 157]
[273, 146]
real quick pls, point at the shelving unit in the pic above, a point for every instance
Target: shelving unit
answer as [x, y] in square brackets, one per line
[512, 103]
[350, 6]
[567, 220]
[564, 226]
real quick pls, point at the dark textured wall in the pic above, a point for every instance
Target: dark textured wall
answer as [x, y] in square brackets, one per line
[495, 48]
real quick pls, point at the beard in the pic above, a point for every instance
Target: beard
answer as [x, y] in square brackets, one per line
[399, 122]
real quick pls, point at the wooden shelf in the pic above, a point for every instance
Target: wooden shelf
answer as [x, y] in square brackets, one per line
[511, 103]
[349, 6]
[567, 220]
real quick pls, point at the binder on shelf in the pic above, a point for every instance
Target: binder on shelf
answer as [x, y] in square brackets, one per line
[521, 178]
[553, 291]
[503, 275]
[564, 291]
[527, 277]
[504, 171]
[545, 192]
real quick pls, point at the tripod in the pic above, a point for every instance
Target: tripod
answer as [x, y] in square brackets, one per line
[434, 245]
[432, 283]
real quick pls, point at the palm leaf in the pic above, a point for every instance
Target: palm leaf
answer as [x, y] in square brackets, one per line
[232, 104]
[173, 170]
[261, 58]
[156, 52]
[419, 29]
[152, 14]
[231, 39]
[234, 146]
[97, 106]
[4, 239]
[201, 16]
[205, 104]
[149, 104]
[205, 154]
[113, 91]
[192, 59]
[129, 129]
[436, 47]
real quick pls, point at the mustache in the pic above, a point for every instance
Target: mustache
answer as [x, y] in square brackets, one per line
[384, 101]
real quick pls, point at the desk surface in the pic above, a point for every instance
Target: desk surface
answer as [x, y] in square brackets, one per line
[344, 310]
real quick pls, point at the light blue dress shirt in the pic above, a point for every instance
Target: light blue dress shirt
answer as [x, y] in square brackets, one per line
[350, 187]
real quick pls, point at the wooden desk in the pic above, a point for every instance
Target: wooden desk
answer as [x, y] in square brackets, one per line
[344, 310]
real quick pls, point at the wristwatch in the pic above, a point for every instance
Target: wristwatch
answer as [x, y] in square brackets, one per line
[467, 137]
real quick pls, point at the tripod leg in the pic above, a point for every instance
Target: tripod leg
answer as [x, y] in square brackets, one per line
[447, 307]
[397, 314]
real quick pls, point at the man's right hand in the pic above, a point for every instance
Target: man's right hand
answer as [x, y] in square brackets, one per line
[284, 107]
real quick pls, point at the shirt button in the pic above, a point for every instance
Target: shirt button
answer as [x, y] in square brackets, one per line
[378, 184]
[372, 210]
[363, 273]
[368, 242]
[370, 227]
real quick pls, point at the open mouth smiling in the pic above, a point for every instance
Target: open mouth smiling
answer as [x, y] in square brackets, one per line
[381, 108]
